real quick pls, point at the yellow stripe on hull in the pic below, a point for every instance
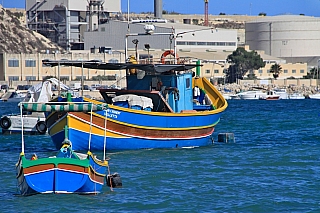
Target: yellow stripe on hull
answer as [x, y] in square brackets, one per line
[84, 126]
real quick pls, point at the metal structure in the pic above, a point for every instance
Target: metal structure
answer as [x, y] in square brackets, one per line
[64, 21]
[158, 8]
[206, 13]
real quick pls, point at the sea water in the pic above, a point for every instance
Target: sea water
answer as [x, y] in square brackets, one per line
[273, 166]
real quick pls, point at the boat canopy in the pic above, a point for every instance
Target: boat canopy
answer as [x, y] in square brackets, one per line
[70, 107]
[96, 64]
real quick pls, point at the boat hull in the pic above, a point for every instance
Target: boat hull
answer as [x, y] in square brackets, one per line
[129, 136]
[31, 125]
[60, 175]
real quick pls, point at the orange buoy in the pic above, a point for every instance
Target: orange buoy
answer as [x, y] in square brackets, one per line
[169, 52]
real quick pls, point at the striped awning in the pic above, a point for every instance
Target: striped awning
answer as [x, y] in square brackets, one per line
[71, 107]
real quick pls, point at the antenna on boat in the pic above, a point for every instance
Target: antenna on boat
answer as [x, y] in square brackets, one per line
[22, 137]
[105, 136]
[90, 127]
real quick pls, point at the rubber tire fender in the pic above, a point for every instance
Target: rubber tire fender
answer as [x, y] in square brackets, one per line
[41, 127]
[5, 122]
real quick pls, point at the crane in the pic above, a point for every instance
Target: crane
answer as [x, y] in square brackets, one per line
[206, 16]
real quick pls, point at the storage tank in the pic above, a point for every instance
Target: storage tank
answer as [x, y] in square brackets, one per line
[284, 36]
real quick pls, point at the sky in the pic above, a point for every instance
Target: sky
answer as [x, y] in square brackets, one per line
[229, 7]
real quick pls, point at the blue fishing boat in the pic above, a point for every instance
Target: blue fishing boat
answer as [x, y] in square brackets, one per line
[163, 106]
[67, 172]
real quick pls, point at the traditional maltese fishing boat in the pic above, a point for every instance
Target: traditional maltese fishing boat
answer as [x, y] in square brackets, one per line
[163, 106]
[68, 171]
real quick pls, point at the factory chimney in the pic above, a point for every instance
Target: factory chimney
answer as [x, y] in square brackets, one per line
[158, 8]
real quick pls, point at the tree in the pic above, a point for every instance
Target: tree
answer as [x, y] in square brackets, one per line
[312, 74]
[276, 69]
[241, 62]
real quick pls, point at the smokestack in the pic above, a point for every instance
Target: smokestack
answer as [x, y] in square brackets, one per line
[158, 8]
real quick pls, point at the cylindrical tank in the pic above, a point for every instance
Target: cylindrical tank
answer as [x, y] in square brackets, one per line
[284, 36]
[158, 8]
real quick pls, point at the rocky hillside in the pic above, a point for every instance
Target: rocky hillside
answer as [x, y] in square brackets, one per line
[15, 37]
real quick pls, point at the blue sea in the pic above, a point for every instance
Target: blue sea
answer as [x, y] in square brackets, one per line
[273, 166]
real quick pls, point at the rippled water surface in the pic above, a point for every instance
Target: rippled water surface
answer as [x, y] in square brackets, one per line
[273, 167]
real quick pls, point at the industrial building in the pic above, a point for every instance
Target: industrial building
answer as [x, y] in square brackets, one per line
[64, 21]
[291, 37]
[190, 37]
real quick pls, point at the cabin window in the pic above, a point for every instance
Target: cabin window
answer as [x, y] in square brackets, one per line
[30, 63]
[188, 84]
[13, 63]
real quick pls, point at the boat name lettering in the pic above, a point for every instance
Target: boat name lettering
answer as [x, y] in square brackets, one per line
[112, 113]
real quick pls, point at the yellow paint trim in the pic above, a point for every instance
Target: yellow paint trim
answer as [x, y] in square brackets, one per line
[155, 128]
[215, 96]
[80, 125]
[92, 101]
[97, 161]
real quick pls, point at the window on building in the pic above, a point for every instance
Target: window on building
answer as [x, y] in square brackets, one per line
[13, 63]
[79, 77]
[221, 43]
[31, 78]
[13, 78]
[301, 71]
[268, 71]
[207, 71]
[260, 71]
[30, 63]
[64, 78]
[231, 43]
[294, 71]
[192, 43]
[210, 43]
[285, 71]
[216, 71]
[181, 43]
[201, 43]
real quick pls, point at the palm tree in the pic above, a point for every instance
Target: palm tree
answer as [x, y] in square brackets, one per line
[276, 69]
